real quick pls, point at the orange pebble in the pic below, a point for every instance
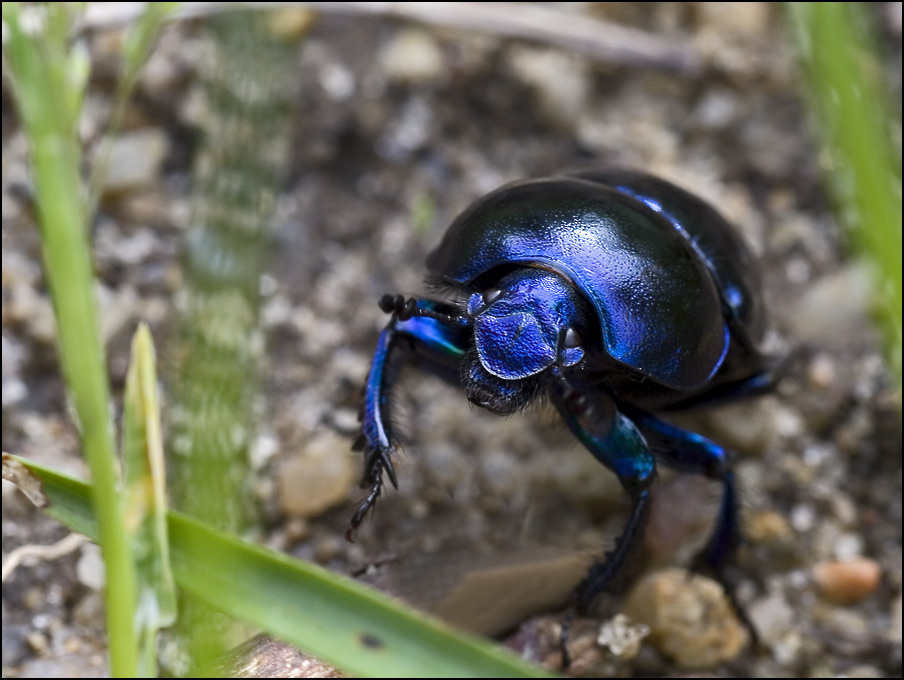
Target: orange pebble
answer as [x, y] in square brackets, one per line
[847, 582]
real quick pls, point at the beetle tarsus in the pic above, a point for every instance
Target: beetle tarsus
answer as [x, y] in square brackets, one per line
[567, 620]
[386, 464]
[741, 613]
[701, 565]
[366, 506]
[376, 462]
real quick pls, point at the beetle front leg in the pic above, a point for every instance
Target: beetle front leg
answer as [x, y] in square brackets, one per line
[376, 434]
[422, 330]
[616, 442]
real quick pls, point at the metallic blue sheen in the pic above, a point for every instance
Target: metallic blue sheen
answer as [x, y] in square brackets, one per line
[619, 445]
[659, 309]
[434, 333]
[614, 294]
[517, 334]
[718, 246]
[376, 397]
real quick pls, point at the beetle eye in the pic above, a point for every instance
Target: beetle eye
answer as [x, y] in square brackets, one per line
[490, 295]
[572, 338]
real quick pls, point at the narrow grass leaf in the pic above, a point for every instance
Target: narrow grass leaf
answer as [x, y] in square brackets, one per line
[861, 139]
[144, 500]
[332, 617]
[35, 57]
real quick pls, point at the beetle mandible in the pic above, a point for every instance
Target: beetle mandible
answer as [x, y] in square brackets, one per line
[611, 292]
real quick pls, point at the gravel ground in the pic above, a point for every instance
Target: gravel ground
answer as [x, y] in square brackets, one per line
[396, 129]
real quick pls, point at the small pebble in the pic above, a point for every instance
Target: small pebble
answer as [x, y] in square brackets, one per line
[90, 568]
[412, 56]
[894, 628]
[847, 582]
[772, 617]
[821, 372]
[622, 637]
[689, 617]
[135, 160]
[769, 527]
[37, 641]
[317, 477]
[561, 82]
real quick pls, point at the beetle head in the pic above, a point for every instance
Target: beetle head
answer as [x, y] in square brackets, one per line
[527, 322]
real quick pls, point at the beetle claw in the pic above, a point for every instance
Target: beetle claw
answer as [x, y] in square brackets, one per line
[739, 611]
[701, 566]
[386, 462]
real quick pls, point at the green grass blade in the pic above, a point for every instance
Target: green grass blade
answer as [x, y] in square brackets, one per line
[861, 140]
[334, 618]
[36, 61]
[61, 496]
[144, 501]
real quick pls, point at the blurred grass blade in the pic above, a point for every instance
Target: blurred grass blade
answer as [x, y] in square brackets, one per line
[136, 49]
[35, 56]
[248, 79]
[338, 620]
[247, 71]
[861, 140]
[144, 498]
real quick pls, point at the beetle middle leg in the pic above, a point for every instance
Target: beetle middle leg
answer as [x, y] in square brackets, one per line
[616, 442]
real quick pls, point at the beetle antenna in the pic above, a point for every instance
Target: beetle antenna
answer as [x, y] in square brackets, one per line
[406, 309]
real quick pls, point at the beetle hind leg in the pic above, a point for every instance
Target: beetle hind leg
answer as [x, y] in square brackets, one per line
[690, 452]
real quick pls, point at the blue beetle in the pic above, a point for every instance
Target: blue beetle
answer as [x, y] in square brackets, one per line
[614, 294]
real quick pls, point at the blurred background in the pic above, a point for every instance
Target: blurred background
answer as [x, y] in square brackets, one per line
[383, 129]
